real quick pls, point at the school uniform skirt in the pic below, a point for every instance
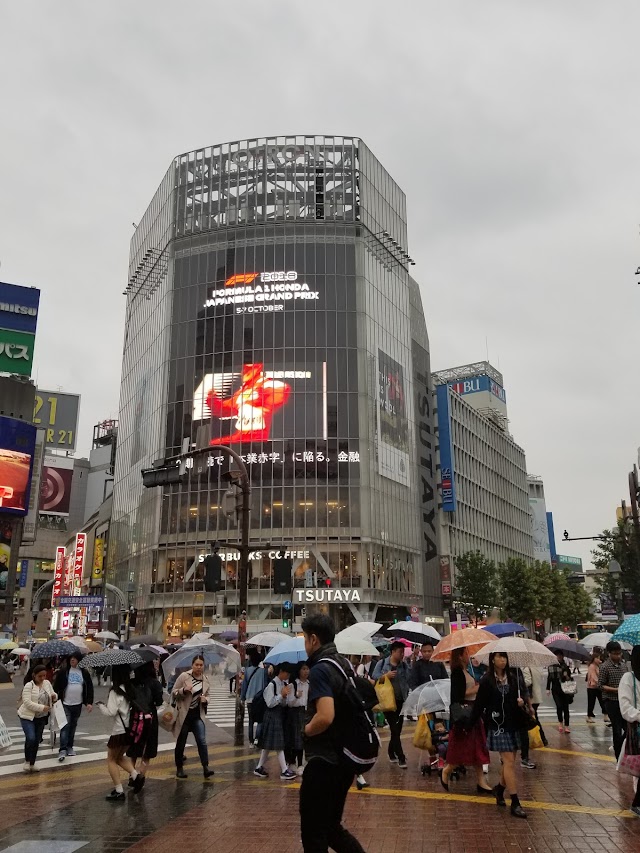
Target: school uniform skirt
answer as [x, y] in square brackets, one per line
[294, 728]
[503, 741]
[272, 733]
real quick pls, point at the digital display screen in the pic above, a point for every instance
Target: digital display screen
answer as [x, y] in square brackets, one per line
[17, 446]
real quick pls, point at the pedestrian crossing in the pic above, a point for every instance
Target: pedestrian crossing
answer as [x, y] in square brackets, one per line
[222, 705]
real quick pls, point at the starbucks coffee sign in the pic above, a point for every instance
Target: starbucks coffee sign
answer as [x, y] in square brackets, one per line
[326, 595]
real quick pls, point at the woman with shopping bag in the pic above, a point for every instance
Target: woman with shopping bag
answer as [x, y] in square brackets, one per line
[392, 686]
[629, 698]
[191, 693]
[37, 701]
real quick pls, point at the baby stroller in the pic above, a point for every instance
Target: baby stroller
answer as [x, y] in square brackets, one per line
[437, 755]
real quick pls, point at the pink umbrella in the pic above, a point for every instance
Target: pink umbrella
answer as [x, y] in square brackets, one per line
[553, 638]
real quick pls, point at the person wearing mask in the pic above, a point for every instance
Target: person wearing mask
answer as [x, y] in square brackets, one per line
[609, 678]
[424, 669]
[75, 687]
[467, 743]
[119, 707]
[276, 697]
[629, 701]
[500, 702]
[593, 691]
[294, 720]
[191, 692]
[556, 674]
[38, 697]
[396, 671]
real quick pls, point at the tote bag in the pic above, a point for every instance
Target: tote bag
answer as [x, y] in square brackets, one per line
[422, 734]
[386, 696]
[5, 737]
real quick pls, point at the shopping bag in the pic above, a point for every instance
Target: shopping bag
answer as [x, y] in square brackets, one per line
[59, 715]
[5, 737]
[629, 760]
[422, 734]
[167, 716]
[535, 740]
[386, 696]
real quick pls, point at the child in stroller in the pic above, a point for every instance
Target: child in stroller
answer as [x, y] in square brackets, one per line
[439, 740]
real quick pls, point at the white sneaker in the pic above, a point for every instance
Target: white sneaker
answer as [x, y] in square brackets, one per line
[300, 770]
[26, 767]
[34, 768]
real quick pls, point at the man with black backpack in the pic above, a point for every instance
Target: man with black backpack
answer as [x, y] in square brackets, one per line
[339, 742]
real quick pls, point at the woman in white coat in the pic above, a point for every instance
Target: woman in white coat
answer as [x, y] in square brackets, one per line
[629, 698]
[37, 700]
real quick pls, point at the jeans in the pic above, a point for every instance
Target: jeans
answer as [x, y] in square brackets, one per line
[395, 728]
[193, 723]
[562, 707]
[32, 733]
[68, 732]
[618, 725]
[593, 693]
[322, 797]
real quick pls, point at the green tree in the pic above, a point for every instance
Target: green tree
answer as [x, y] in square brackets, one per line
[582, 604]
[518, 599]
[618, 544]
[475, 583]
[562, 607]
[543, 576]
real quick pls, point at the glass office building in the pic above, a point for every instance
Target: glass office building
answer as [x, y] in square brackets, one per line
[270, 309]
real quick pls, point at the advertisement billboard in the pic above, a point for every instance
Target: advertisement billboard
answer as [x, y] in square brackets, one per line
[78, 562]
[58, 576]
[19, 307]
[55, 491]
[57, 413]
[540, 530]
[16, 352]
[392, 421]
[447, 471]
[98, 559]
[30, 523]
[17, 448]
[475, 384]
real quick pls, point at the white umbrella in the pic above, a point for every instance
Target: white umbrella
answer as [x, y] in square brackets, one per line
[415, 632]
[350, 644]
[598, 638]
[434, 695]
[362, 629]
[106, 635]
[268, 639]
[521, 652]
[25, 652]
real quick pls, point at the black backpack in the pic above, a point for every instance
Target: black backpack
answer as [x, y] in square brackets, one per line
[357, 734]
[259, 706]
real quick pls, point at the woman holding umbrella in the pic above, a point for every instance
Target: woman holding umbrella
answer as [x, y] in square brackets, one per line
[557, 674]
[191, 692]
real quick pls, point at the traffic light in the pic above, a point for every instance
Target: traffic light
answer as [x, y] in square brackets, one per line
[285, 623]
[212, 573]
[282, 580]
[328, 582]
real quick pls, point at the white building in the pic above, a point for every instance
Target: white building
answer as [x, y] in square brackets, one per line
[484, 502]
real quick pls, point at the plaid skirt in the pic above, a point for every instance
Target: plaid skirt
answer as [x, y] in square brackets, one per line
[272, 731]
[503, 741]
[294, 728]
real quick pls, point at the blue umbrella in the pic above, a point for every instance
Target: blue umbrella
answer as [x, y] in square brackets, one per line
[292, 650]
[53, 649]
[629, 631]
[505, 629]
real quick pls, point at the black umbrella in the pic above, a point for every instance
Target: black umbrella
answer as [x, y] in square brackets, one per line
[145, 640]
[111, 657]
[147, 654]
[570, 649]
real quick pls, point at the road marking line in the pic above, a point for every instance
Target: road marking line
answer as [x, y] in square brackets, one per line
[596, 755]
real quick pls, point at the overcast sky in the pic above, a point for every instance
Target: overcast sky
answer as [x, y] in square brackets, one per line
[512, 127]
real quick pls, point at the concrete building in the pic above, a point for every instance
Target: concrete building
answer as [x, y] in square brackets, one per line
[270, 308]
[484, 500]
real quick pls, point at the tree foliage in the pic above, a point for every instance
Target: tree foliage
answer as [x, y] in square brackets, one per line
[475, 581]
[619, 544]
[518, 599]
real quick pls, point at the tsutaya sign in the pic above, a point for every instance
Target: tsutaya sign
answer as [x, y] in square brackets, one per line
[326, 596]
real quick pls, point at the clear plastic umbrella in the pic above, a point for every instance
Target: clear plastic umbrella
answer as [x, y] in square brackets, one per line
[433, 696]
[212, 652]
[350, 644]
[267, 639]
[520, 651]
[363, 629]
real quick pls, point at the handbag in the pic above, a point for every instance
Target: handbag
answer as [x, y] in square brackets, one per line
[5, 737]
[535, 739]
[167, 715]
[629, 760]
[422, 734]
[569, 688]
[386, 696]
[460, 713]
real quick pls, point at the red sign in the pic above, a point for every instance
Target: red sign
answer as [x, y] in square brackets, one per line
[68, 575]
[58, 576]
[78, 563]
[445, 568]
[446, 589]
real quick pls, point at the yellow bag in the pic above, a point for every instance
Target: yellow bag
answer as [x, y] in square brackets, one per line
[422, 734]
[386, 696]
[535, 741]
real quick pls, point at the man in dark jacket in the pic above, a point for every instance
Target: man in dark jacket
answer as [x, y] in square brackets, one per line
[424, 669]
[75, 688]
[327, 778]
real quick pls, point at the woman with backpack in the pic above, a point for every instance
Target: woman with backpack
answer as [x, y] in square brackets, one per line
[294, 722]
[147, 692]
[191, 692]
[271, 737]
[118, 706]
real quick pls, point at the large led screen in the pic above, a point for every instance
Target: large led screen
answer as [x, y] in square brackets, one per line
[17, 446]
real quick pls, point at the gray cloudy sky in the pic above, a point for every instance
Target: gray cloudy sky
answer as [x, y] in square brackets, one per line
[512, 126]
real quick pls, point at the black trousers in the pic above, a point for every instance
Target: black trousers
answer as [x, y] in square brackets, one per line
[594, 693]
[395, 729]
[562, 706]
[618, 725]
[322, 797]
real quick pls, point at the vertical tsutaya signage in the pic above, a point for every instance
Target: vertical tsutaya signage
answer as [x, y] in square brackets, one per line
[78, 562]
[425, 461]
[58, 576]
[447, 475]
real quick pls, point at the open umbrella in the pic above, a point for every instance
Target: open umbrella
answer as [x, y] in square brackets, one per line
[598, 638]
[106, 635]
[551, 638]
[292, 650]
[350, 644]
[415, 632]
[428, 698]
[147, 653]
[212, 652]
[629, 631]
[267, 639]
[52, 649]
[570, 649]
[505, 629]
[111, 657]
[521, 652]
[5, 645]
[21, 652]
[145, 640]
[363, 629]
[465, 638]
[80, 643]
